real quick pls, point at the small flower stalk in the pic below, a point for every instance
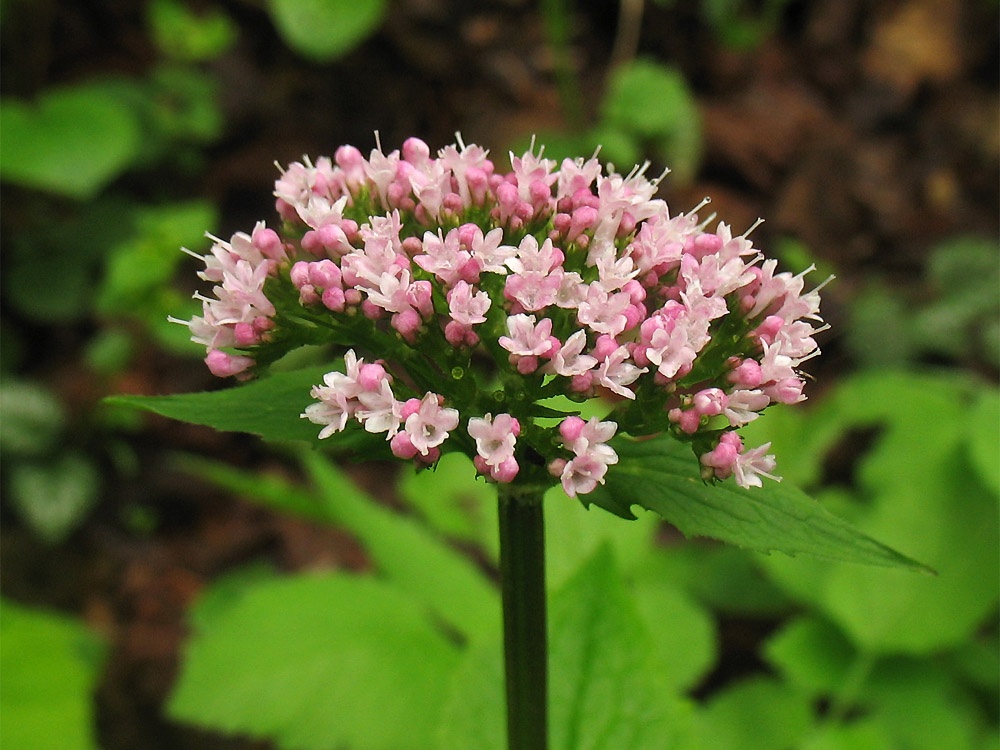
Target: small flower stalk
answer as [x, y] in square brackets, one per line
[465, 298]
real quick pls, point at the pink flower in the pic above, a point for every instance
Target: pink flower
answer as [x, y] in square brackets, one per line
[465, 307]
[430, 424]
[495, 437]
[617, 371]
[570, 360]
[527, 338]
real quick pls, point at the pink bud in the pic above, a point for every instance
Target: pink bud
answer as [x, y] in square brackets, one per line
[300, 274]
[747, 374]
[527, 365]
[402, 446]
[570, 428]
[371, 310]
[409, 407]
[223, 365]
[506, 471]
[269, 244]
[371, 375]
[710, 402]
[786, 390]
[324, 273]
[245, 334]
[415, 151]
[605, 346]
[556, 466]
[407, 323]
[334, 299]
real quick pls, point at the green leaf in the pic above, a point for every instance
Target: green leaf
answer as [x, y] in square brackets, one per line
[433, 573]
[401, 549]
[188, 36]
[51, 268]
[756, 714]
[454, 501]
[32, 418]
[572, 537]
[269, 407]
[984, 438]
[70, 141]
[921, 707]
[54, 497]
[915, 489]
[720, 576]
[811, 654]
[661, 475]
[50, 669]
[866, 734]
[324, 30]
[317, 662]
[604, 691]
[683, 633]
[653, 103]
[140, 267]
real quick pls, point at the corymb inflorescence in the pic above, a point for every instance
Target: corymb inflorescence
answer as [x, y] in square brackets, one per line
[466, 298]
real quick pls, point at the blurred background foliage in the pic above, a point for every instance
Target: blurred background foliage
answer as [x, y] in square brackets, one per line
[162, 583]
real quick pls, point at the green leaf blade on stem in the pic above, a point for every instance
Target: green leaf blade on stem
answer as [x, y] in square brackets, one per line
[324, 30]
[269, 407]
[661, 475]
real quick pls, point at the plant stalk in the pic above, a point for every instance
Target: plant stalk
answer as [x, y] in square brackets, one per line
[522, 584]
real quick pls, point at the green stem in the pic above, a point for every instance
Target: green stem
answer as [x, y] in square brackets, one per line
[522, 571]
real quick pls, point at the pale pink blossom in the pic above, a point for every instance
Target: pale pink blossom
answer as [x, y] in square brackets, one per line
[527, 338]
[430, 424]
[495, 437]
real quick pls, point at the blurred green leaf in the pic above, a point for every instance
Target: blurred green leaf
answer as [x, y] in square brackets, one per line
[604, 690]
[324, 30]
[109, 352]
[653, 103]
[717, 575]
[984, 437]
[915, 489]
[683, 633]
[756, 714]
[920, 706]
[32, 418]
[864, 734]
[572, 537]
[53, 497]
[140, 267]
[880, 332]
[70, 141]
[454, 501]
[316, 661]
[53, 266]
[662, 475]
[50, 669]
[188, 36]
[433, 573]
[811, 654]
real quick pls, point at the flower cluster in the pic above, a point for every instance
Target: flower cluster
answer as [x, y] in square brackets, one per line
[484, 295]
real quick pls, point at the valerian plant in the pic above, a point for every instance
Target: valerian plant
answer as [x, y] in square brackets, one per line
[474, 307]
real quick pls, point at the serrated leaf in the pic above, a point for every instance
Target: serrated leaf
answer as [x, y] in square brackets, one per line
[50, 669]
[70, 141]
[269, 407]
[604, 692]
[324, 30]
[316, 662]
[661, 475]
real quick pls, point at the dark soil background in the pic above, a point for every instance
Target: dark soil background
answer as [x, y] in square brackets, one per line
[868, 130]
